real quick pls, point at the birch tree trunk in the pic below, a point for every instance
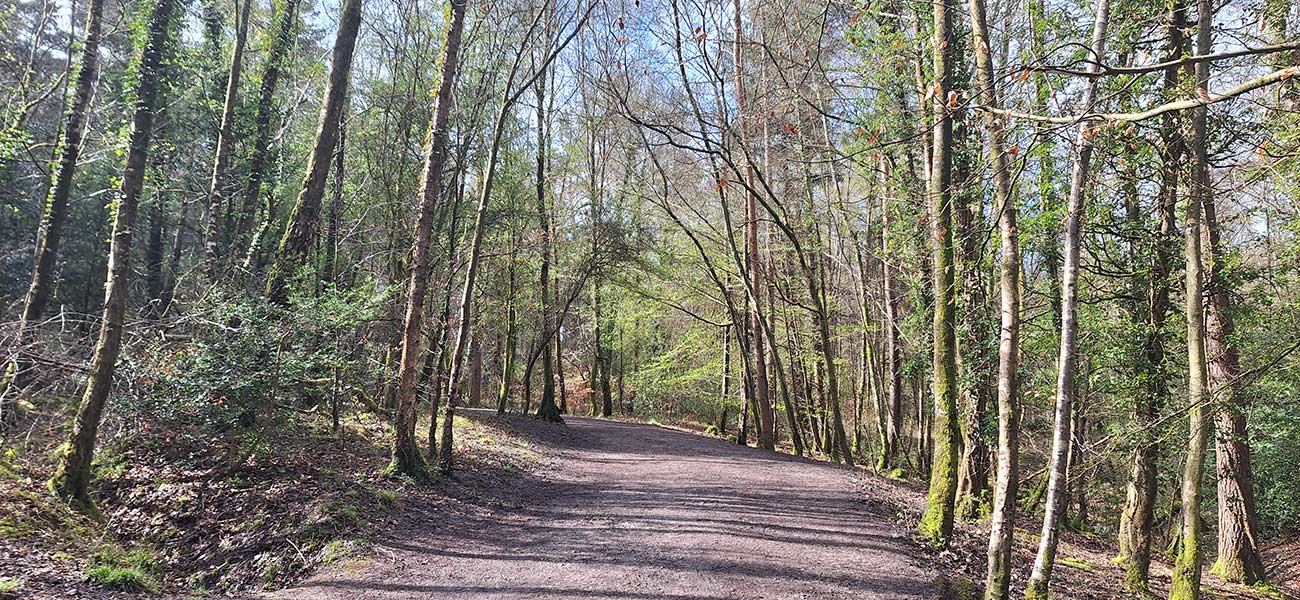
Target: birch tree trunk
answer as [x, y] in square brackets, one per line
[1002, 522]
[1057, 484]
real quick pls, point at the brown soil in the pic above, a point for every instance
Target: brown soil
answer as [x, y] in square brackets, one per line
[633, 511]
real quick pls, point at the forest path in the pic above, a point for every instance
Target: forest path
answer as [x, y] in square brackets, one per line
[630, 511]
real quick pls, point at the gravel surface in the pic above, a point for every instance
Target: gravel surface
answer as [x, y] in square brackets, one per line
[629, 511]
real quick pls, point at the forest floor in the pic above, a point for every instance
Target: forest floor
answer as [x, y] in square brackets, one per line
[592, 509]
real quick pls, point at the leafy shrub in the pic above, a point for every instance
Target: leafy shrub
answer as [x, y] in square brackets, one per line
[244, 353]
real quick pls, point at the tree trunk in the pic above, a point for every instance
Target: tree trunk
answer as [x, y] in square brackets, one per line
[1003, 519]
[280, 43]
[547, 409]
[304, 220]
[1238, 558]
[893, 366]
[1057, 486]
[937, 522]
[71, 478]
[766, 422]
[1137, 518]
[1186, 580]
[511, 335]
[50, 233]
[225, 142]
[406, 457]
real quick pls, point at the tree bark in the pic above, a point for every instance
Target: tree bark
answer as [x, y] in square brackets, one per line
[304, 221]
[766, 420]
[1057, 485]
[1238, 557]
[893, 365]
[71, 478]
[547, 409]
[406, 457]
[280, 43]
[225, 142]
[1002, 521]
[1186, 580]
[1137, 518]
[937, 522]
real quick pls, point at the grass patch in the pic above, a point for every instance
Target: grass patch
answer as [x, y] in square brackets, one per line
[117, 569]
[387, 497]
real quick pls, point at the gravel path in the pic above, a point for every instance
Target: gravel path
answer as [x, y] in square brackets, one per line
[627, 511]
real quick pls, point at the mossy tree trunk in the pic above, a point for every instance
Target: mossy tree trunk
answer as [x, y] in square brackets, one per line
[304, 221]
[937, 521]
[72, 475]
[406, 458]
[49, 235]
[217, 188]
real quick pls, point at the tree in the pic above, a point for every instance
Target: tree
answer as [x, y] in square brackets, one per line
[1186, 584]
[766, 418]
[937, 521]
[1062, 433]
[50, 234]
[1002, 526]
[406, 459]
[71, 479]
[245, 239]
[1137, 518]
[217, 189]
[304, 220]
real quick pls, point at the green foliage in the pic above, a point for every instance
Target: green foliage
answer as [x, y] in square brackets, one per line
[249, 353]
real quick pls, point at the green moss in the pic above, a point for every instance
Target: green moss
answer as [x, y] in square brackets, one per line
[387, 497]
[10, 587]
[1032, 593]
[960, 588]
[1186, 584]
[127, 579]
[1080, 564]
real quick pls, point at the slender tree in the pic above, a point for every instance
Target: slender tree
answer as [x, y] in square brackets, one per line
[1067, 364]
[1186, 584]
[71, 479]
[1002, 525]
[50, 233]
[766, 418]
[937, 522]
[304, 220]
[406, 457]
[281, 39]
[217, 189]
[1137, 518]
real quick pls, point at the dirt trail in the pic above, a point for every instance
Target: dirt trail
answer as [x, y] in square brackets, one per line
[627, 511]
